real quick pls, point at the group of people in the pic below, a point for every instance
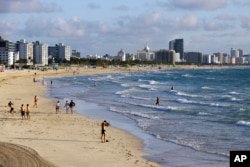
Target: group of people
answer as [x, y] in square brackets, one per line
[25, 111]
[68, 105]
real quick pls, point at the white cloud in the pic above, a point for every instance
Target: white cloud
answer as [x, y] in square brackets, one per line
[7, 28]
[93, 5]
[26, 6]
[189, 21]
[43, 27]
[199, 4]
[245, 23]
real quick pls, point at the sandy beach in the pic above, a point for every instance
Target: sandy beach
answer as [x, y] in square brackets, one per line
[62, 140]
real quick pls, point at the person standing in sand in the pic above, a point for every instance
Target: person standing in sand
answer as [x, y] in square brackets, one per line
[103, 131]
[22, 110]
[71, 106]
[66, 106]
[11, 105]
[57, 107]
[35, 101]
[28, 111]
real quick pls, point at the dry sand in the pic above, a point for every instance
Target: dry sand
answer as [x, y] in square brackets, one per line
[62, 140]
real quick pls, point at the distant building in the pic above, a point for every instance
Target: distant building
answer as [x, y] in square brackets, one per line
[194, 57]
[219, 55]
[121, 55]
[146, 54]
[8, 53]
[40, 53]
[235, 52]
[25, 51]
[75, 54]
[178, 46]
[164, 56]
[60, 52]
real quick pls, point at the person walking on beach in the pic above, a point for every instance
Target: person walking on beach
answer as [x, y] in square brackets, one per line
[22, 110]
[66, 106]
[103, 131]
[157, 101]
[35, 101]
[57, 107]
[11, 105]
[71, 106]
[27, 111]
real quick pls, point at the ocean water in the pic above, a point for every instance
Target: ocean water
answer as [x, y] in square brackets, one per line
[198, 123]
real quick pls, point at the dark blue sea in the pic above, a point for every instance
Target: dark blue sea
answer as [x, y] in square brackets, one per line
[198, 123]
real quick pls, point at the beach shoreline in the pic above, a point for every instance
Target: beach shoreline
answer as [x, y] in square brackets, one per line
[61, 139]
[46, 129]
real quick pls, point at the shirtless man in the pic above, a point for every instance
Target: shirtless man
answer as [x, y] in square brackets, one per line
[103, 131]
[22, 110]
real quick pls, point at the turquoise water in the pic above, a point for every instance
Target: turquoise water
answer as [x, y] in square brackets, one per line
[206, 115]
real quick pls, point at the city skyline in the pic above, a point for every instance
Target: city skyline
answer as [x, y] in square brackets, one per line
[100, 27]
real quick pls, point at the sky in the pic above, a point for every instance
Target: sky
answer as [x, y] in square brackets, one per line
[107, 26]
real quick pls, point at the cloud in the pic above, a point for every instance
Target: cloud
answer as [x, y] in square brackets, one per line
[245, 22]
[26, 6]
[44, 27]
[93, 5]
[186, 22]
[214, 26]
[6, 28]
[225, 17]
[198, 4]
[121, 8]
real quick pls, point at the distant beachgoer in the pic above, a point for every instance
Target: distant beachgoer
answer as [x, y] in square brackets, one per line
[22, 110]
[35, 101]
[172, 88]
[28, 111]
[71, 106]
[157, 101]
[103, 131]
[57, 107]
[51, 82]
[11, 105]
[66, 106]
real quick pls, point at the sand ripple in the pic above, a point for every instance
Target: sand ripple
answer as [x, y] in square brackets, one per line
[20, 156]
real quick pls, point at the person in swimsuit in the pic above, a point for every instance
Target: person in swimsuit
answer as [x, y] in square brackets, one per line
[103, 131]
[22, 109]
[28, 111]
[35, 101]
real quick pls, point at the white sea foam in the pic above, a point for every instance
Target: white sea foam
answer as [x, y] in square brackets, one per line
[244, 123]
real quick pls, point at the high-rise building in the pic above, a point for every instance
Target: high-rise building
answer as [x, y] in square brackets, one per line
[8, 53]
[164, 56]
[25, 51]
[40, 53]
[59, 52]
[178, 46]
[194, 57]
